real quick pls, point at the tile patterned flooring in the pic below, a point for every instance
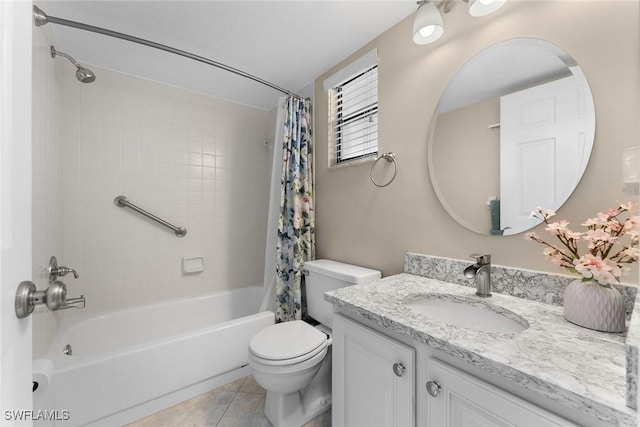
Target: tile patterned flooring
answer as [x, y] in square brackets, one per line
[237, 404]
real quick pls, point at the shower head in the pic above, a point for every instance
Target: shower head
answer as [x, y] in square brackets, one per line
[83, 74]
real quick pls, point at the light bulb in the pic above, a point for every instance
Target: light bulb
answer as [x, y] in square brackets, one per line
[484, 7]
[427, 31]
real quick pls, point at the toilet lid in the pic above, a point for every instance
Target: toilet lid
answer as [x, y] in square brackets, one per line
[286, 340]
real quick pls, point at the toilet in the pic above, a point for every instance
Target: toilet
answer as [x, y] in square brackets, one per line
[292, 360]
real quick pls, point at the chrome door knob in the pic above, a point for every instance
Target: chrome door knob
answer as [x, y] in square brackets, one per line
[25, 301]
[27, 297]
[56, 295]
[399, 369]
[433, 388]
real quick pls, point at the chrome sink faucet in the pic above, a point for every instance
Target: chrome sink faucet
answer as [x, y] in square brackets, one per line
[481, 272]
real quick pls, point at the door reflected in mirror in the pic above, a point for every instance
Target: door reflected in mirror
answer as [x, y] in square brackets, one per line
[513, 130]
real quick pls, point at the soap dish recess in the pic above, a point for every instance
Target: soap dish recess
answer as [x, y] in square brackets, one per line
[193, 264]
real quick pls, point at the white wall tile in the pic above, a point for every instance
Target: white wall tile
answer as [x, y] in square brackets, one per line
[49, 162]
[174, 153]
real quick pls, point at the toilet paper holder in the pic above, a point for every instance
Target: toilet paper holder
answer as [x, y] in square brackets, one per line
[42, 372]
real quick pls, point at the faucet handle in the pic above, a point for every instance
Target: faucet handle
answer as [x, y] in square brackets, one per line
[55, 271]
[482, 258]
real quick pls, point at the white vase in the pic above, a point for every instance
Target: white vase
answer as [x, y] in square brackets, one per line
[592, 306]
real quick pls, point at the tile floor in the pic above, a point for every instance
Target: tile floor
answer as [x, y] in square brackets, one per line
[237, 404]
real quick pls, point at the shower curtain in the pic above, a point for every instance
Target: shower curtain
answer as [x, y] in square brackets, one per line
[296, 225]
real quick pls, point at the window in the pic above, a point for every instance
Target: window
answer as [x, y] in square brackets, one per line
[353, 117]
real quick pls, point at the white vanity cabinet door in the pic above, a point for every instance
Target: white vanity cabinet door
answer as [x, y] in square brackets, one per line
[367, 389]
[464, 400]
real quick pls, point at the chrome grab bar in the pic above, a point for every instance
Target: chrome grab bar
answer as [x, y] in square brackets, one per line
[122, 202]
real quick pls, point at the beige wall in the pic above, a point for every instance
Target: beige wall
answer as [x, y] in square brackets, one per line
[374, 227]
[466, 161]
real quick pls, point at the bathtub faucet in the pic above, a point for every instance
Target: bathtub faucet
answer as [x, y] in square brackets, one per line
[63, 271]
[73, 303]
[56, 271]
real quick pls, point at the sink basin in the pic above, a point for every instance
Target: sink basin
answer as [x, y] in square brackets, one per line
[469, 313]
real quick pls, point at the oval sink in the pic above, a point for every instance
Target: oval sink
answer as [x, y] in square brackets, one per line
[470, 313]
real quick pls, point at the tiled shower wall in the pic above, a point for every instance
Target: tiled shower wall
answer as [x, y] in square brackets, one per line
[47, 223]
[193, 160]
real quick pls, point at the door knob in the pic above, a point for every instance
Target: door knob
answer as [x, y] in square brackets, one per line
[399, 369]
[25, 292]
[27, 297]
[433, 388]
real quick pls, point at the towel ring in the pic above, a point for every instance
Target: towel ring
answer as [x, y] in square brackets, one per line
[389, 157]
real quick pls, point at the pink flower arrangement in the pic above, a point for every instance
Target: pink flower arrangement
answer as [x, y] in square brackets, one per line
[611, 242]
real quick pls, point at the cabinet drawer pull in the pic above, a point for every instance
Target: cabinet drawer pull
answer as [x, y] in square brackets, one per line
[433, 388]
[399, 369]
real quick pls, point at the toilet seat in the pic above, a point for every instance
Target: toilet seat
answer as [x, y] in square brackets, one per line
[287, 343]
[283, 370]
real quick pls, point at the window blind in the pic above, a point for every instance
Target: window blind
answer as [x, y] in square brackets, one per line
[353, 117]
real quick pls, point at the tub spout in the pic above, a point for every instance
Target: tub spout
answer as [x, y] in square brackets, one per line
[73, 303]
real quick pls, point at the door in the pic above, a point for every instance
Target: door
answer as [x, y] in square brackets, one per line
[544, 138]
[457, 399]
[15, 208]
[373, 378]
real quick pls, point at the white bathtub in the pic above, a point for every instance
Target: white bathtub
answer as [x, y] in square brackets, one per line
[128, 364]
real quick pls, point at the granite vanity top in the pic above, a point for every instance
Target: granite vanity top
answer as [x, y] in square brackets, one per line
[584, 369]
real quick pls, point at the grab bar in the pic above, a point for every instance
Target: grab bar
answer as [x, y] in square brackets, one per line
[122, 202]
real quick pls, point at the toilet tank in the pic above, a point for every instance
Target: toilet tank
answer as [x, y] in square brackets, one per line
[324, 275]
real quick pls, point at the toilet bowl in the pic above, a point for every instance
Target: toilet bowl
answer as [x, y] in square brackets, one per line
[286, 360]
[292, 360]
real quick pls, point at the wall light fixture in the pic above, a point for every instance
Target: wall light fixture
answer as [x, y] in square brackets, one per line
[427, 24]
[484, 7]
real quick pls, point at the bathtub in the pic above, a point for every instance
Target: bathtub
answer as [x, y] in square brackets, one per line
[128, 364]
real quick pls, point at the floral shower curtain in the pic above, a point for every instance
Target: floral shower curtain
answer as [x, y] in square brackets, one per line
[296, 226]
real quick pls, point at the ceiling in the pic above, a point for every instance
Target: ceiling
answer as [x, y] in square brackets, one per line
[288, 43]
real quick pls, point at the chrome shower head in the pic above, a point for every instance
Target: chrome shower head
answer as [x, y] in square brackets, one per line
[83, 74]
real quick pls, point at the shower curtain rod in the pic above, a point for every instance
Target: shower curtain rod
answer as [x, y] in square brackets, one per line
[41, 18]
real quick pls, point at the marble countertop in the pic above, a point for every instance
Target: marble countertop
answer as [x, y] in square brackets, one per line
[584, 369]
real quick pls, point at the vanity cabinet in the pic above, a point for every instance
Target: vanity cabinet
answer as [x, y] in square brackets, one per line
[380, 380]
[373, 377]
[456, 398]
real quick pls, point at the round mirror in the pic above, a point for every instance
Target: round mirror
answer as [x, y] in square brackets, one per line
[513, 130]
